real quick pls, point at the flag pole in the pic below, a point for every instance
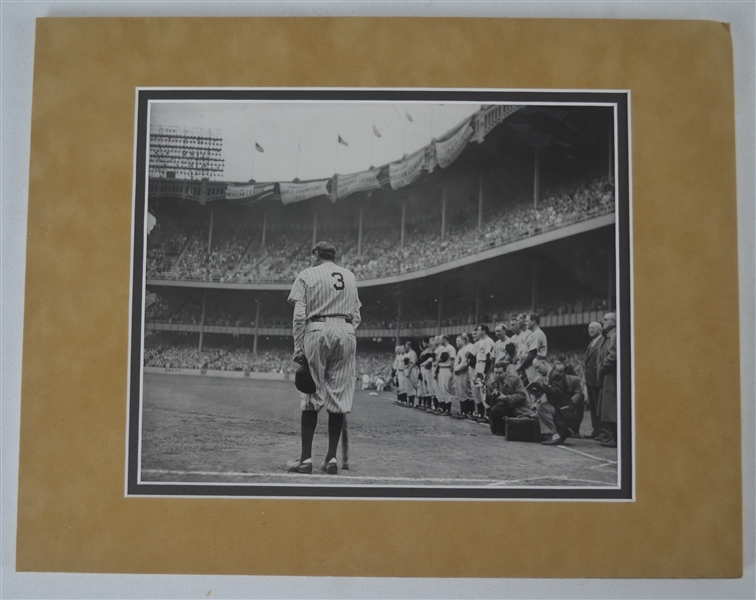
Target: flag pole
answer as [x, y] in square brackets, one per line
[372, 135]
[336, 156]
[254, 152]
[296, 166]
[404, 137]
[372, 139]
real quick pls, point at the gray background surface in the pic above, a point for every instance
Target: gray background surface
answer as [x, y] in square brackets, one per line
[17, 33]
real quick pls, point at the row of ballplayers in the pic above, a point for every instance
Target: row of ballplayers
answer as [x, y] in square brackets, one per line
[514, 377]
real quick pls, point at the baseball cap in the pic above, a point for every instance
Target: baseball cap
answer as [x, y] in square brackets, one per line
[325, 250]
[303, 380]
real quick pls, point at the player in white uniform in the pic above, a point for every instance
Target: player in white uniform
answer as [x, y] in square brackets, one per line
[411, 373]
[462, 376]
[514, 339]
[445, 381]
[537, 346]
[483, 366]
[499, 347]
[426, 374]
[437, 346]
[522, 338]
[326, 313]
[398, 369]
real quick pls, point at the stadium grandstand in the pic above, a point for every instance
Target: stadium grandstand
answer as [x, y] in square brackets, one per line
[521, 220]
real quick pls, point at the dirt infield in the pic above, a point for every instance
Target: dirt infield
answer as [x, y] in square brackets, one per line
[202, 429]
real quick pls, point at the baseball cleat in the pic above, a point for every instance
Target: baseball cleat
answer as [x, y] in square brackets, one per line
[331, 467]
[297, 466]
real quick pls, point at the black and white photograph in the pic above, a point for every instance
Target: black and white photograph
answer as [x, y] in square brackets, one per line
[381, 294]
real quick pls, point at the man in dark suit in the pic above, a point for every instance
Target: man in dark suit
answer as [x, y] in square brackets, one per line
[607, 375]
[507, 398]
[592, 383]
[556, 408]
[575, 392]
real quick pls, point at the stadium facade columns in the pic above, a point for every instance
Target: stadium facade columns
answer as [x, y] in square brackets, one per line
[257, 326]
[548, 321]
[401, 236]
[210, 232]
[359, 231]
[480, 199]
[443, 213]
[534, 285]
[536, 178]
[202, 319]
[477, 294]
[314, 225]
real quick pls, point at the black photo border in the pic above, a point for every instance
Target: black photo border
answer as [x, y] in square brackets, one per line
[621, 101]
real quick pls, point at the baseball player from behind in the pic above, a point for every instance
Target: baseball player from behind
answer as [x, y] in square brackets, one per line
[326, 313]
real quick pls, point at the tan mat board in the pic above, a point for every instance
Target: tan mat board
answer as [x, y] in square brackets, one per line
[73, 516]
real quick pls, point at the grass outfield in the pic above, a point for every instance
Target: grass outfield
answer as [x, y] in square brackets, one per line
[204, 429]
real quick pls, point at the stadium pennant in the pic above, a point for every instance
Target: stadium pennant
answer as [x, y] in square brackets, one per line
[356, 182]
[342, 141]
[249, 193]
[448, 150]
[258, 147]
[297, 192]
[151, 222]
[376, 133]
[409, 116]
[404, 172]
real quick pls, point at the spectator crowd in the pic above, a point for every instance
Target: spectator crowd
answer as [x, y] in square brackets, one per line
[180, 251]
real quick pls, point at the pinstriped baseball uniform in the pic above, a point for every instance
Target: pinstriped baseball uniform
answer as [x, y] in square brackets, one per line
[410, 373]
[483, 350]
[462, 379]
[328, 294]
[426, 389]
[499, 350]
[445, 381]
[399, 368]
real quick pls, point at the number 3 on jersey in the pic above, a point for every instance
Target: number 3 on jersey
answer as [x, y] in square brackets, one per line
[339, 285]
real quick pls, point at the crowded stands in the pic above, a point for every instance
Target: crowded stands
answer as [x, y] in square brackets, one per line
[178, 249]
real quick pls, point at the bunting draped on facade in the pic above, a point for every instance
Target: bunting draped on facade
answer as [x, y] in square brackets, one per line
[404, 172]
[398, 174]
[253, 192]
[297, 192]
[448, 150]
[356, 182]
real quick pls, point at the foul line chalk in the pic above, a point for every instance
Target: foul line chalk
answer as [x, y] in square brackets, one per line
[605, 460]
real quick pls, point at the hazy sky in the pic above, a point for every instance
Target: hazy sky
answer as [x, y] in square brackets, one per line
[278, 127]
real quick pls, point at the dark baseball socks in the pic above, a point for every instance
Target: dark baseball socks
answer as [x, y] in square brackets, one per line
[335, 423]
[309, 422]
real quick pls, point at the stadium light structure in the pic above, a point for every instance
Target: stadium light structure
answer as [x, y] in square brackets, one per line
[185, 153]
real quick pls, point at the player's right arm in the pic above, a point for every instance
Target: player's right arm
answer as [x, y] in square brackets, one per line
[298, 298]
[356, 317]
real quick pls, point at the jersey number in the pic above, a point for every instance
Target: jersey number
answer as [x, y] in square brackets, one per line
[339, 285]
